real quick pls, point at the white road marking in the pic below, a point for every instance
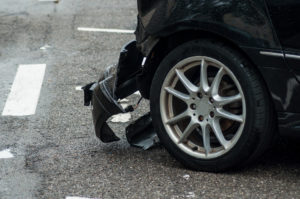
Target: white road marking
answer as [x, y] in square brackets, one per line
[55, 1]
[105, 30]
[6, 154]
[45, 47]
[78, 88]
[121, 118]
[25, 91]
[76, 197]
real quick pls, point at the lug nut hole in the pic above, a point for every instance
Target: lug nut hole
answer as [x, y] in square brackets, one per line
[201, 118]
[212, 114]
[211, 100]
[200, 95]
[193, 106]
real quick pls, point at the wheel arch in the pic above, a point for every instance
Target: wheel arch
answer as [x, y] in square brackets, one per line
[169, 42]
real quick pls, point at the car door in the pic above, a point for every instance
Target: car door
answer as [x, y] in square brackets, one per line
[285, 16]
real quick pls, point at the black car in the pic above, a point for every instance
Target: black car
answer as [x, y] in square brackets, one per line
[222, 77]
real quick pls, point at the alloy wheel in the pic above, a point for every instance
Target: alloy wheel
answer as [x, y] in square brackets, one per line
[203, 107]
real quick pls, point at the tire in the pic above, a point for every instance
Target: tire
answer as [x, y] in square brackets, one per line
[191, 117]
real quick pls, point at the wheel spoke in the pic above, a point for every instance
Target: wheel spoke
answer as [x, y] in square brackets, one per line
[219, 134]
[178, 94]
[227, 115]
[222, 101]
[178, 118]
[187, 132]
[206, 139]
[216, 83]
[186, 82]
[203, 77]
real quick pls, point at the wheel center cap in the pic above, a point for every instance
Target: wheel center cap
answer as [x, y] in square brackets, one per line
[204, 107]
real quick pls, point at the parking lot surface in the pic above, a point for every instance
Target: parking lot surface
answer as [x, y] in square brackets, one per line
[53, 152]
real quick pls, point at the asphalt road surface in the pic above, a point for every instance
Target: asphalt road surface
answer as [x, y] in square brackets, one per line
[54, 152]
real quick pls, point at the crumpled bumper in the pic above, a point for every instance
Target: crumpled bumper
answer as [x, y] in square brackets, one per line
[116, 83]
[101, 96]
[103, 108]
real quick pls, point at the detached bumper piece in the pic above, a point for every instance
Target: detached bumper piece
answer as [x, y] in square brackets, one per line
[117, 83]
[141, 133]
[104, 106]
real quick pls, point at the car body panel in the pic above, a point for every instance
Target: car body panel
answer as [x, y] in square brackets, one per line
[249, 25]
[280, 80]
[285, 17]
[246, 23]
[286, 20]
[289, 124]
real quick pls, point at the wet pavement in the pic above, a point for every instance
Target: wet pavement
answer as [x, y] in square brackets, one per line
[55, 154]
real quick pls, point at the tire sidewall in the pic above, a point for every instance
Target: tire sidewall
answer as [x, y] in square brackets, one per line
[246, 143]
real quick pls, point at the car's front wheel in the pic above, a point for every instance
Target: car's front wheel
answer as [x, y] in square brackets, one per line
[209, 106]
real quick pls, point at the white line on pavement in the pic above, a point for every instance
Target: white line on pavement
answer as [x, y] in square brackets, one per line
[78, 88]
[105, 30]
[75, 197]
[56, 1]
[45, 47]
[6, 154]
[25, 91]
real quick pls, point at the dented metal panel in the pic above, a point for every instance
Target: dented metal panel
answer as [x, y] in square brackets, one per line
[245, 21]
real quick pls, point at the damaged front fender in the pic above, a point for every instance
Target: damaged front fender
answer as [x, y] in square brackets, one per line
[247, 22]
[116, 83]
